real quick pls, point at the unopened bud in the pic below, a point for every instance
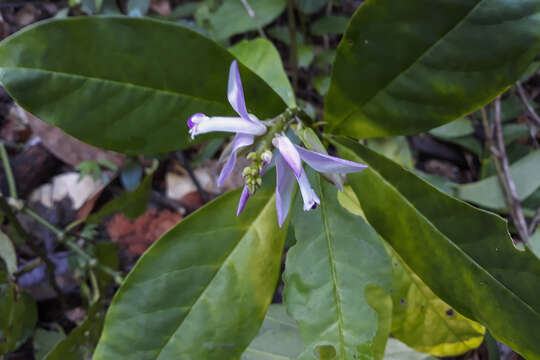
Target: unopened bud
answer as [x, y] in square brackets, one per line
[246, 171]
[251, 156]
[266, 157]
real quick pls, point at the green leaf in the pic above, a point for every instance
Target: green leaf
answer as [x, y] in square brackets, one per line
[80, 343]
[534, 242]
[201, 291]
[338, 262]
[456, 128]
[96, 81]
[310, 6]
[232, 17]
[396, 350]
[331, 24]
[282, 34]
[487, 192]
[8, 254]
[306, 54]
[44, 341]
[396, 148]
[261, 57]
[18, 317]
[279, 337]
[408, 66]
[465, 255]
[426, 323]
[321, 84]
[132, 203]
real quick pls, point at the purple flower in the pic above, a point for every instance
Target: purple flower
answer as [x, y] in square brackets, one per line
[246, 127]
[289, 167]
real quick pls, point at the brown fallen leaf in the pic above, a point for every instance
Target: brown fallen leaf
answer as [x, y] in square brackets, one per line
[138, 235]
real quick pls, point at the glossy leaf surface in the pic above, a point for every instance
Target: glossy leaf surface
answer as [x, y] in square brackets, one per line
[338, 262]
[261, 57]
[279, 337]
[202, 290]
[463, 254]
[426, 323]
[7, 253]
[119, 84]
[407, 66]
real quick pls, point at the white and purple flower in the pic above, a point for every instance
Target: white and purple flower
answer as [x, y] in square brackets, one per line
[246, 127]
[289, 162]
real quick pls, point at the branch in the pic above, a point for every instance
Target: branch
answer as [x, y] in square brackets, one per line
[503, 171]
[528, 105]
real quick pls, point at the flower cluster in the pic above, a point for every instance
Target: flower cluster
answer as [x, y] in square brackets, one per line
[288, 162]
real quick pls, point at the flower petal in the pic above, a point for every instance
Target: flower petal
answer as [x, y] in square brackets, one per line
[235, 91]
[290, 154]
[243, 200]
[284, 189]
[311, 200]
[240, 141]
[329, 164]
[227, 124]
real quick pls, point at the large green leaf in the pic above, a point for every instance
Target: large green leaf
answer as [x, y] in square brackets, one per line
[261, 57]
[407, 66]
[426, 323]
[331, 274]
[463, 254]
[279, 337]
[7, 253]
[201, 291]
[126, 84]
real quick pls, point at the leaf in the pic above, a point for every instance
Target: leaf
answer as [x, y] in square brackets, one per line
[279, 337]
[396, 148]
[8, 254]
[306, 55]
[201, 291]
[45, 341]
[18, 317]
[464, 254]
[310, 6]
[408, 66]
[261, 57]
[125, 97]
[534, 242]
[80, 343]
[337, 262]
[487, 192]
[131, 175]
[132, 203]
[426, 323]
[281, 33]
[454, 129]
[330, 24]
[232, 17]
[321, 84]
[396, 350]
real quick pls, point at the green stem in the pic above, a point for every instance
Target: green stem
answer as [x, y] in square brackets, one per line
[9, 173]
[293, 59]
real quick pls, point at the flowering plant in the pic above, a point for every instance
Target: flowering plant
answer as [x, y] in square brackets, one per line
[370, 248]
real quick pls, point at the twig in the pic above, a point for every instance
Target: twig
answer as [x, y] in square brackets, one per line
[251, 14]
[9, 173]
[293, 59]
[535, 220]
[182, 159]
[68, 241]
[496, 145]
[528, 105]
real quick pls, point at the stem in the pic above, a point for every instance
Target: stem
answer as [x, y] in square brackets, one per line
[293, 59]
[528, 105]
[496, 145]
[49, 264]
[68, 241]
[9, 173]
[251, 14]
